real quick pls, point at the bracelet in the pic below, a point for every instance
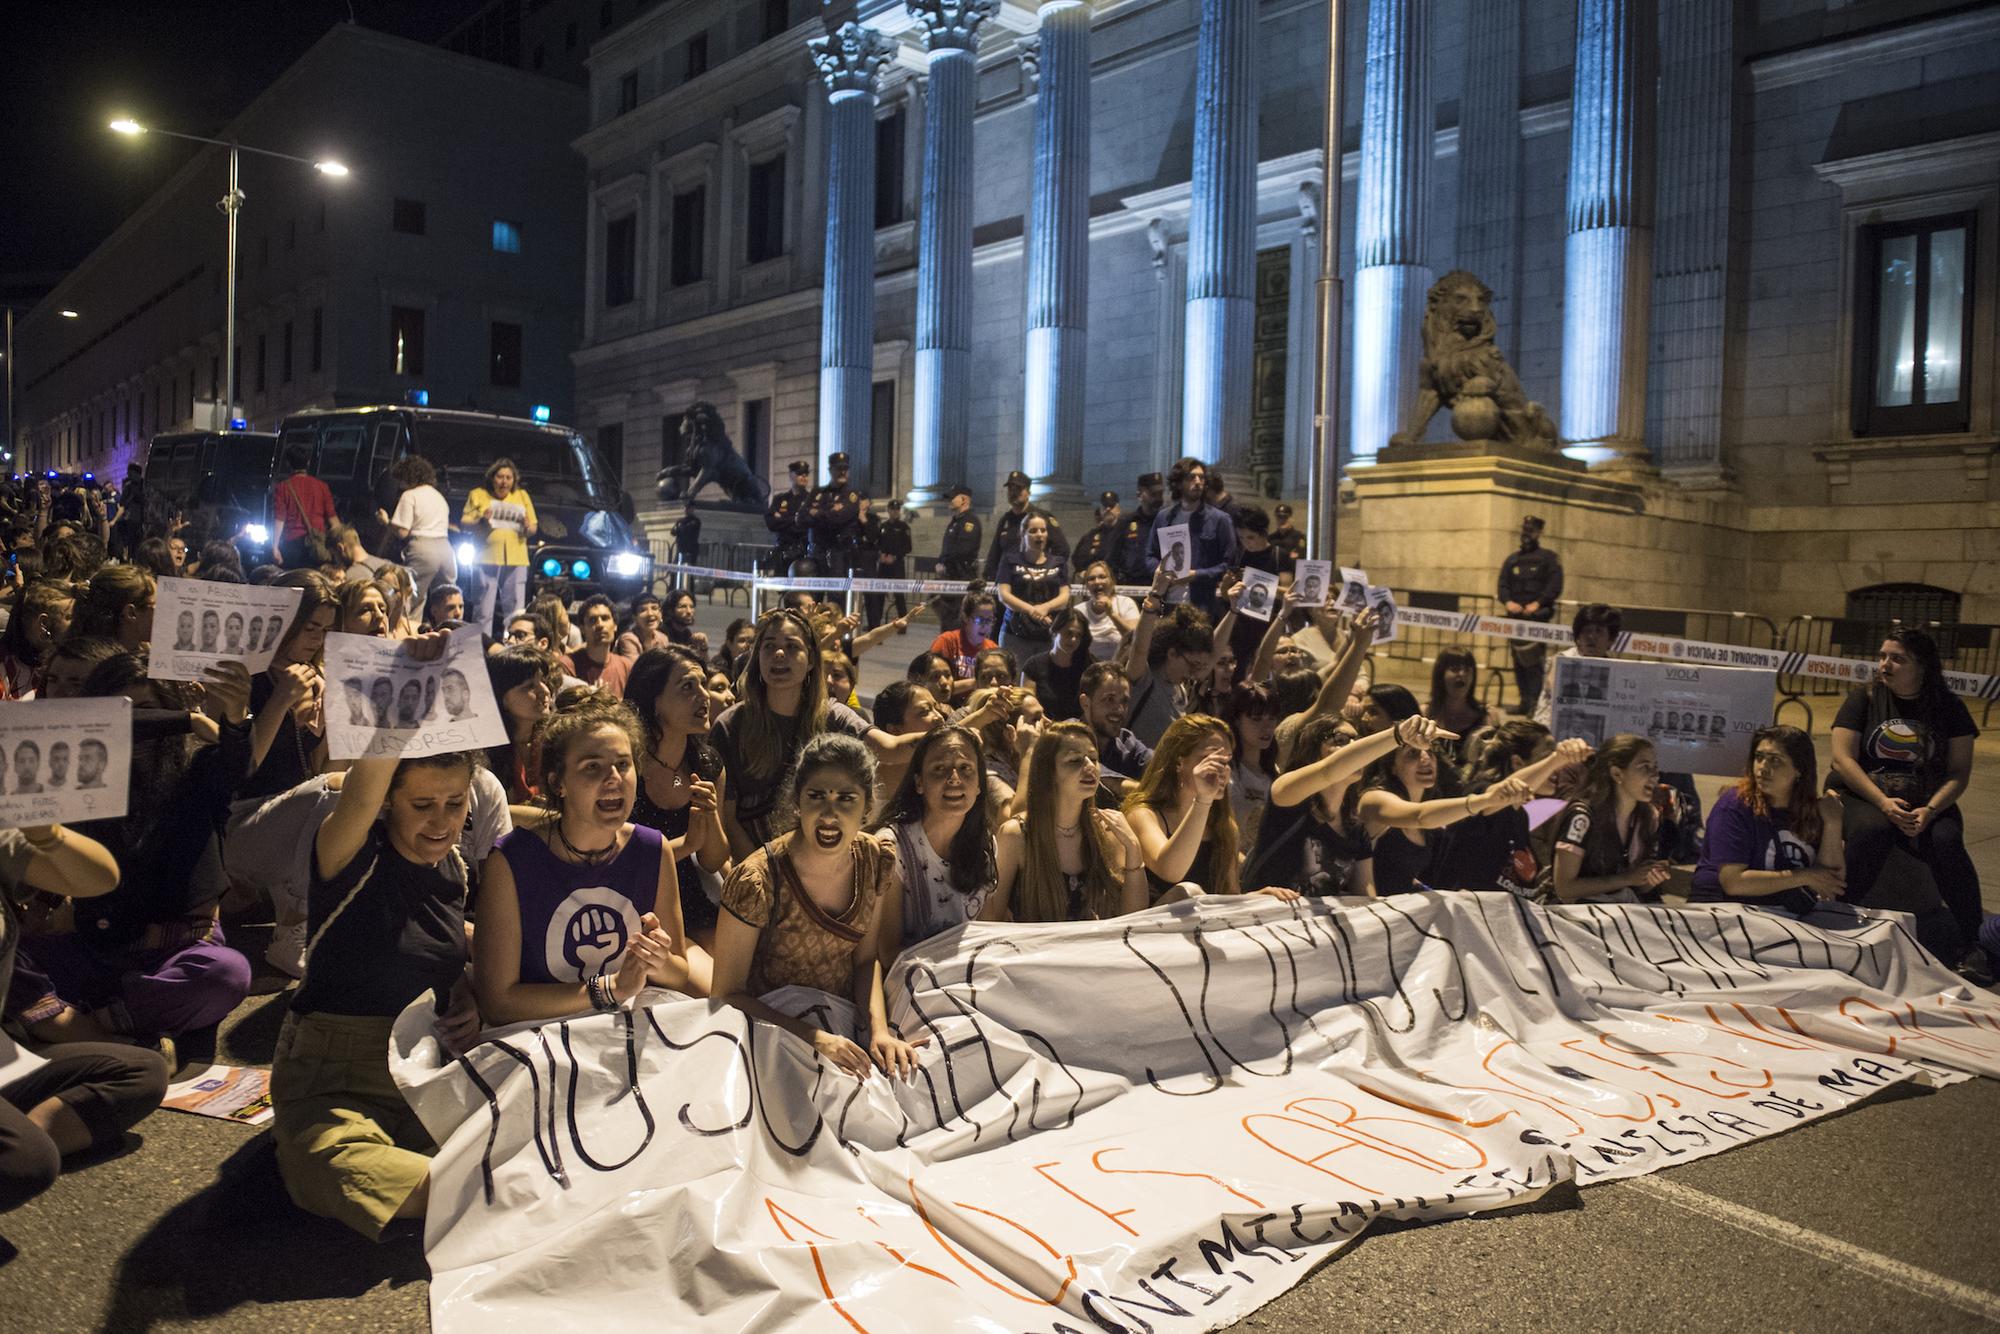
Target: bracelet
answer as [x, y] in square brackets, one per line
[55, 841]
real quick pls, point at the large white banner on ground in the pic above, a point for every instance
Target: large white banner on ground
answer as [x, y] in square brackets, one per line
[1699, 719]
[1154, 1123]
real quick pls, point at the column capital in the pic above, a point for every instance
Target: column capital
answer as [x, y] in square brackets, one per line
[952, 25]
[849, 59]
[1028, 50]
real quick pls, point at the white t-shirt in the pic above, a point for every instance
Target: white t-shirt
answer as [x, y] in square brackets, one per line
[1104, 636]
[421, 511]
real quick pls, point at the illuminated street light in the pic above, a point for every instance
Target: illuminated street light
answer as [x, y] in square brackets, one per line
[68, 314]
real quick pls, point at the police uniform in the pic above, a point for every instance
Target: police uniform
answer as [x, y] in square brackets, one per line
[1291, 547]
[1007, 529]
[1138, 535]
[687, 539]
[892, 551]
[1102, 543]
[785, 516]
[833, 522]
[958, 558]
[1530, 576]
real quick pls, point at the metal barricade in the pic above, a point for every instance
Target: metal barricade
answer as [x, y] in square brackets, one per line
[1423, 643]
[1962, 647]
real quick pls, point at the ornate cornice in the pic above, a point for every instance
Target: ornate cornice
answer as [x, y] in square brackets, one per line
[849, 59]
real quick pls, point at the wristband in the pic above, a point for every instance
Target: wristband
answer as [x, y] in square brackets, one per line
[55, 841]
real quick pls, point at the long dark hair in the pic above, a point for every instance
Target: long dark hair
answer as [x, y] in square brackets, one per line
[1515, 739]
[1447, 660]
[1934, 696]
[1596, 789]
[643, 687]
[1798, 748]
[1248, 699]
[971, 858]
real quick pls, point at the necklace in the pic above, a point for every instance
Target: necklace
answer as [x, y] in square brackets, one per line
[1070, 832]
[588, 857]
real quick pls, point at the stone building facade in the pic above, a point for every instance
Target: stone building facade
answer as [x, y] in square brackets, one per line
[1719, 234]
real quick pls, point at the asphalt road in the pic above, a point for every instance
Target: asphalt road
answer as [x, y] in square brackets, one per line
[1877, 1219]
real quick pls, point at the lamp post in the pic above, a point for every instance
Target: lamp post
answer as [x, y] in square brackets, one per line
[230, 204]
[1323, 487]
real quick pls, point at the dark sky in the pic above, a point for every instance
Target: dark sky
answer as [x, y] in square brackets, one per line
[188, 65]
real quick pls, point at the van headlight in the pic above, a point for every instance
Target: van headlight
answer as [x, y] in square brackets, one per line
[628, 565]
[257, 533]
[467, 554]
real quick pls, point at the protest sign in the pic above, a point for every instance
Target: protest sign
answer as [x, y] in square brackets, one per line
[225, 1092]
[1310, 581]
[199, 622]
[1175, 549]
[1382, 601]
[1158, 1122]
[1260, 594]
[380, 701]
[64, 759]
[1699, 719]
[1353, 589]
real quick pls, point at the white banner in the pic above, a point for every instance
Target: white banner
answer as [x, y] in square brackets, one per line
[381, 701]
[199, 622]
[1699, 719]
[1159, 1122]
[64, 759]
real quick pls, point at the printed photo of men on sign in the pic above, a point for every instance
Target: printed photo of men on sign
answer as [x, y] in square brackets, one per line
[1310, 580]
[64, 760]
[1353, 589]
[216, 622]
[1383, 602]
[1260, 594]
[390, 703]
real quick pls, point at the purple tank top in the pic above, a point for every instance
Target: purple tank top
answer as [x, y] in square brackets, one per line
[576, 919]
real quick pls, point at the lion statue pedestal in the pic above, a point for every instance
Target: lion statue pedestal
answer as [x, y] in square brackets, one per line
[1463, 371]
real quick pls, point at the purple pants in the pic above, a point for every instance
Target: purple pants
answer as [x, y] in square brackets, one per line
[146, 992]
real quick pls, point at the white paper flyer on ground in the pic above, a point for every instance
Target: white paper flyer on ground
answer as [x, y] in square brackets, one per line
[225, 1092]
[1260, 594]
[1699, 719]
[1310, 581]
[198, 623]
[1382, 601]
[381, 701]
[1353, 589]
[64, 760]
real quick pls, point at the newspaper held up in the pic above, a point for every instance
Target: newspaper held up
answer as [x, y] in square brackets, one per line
[198, 623]
[381, 701]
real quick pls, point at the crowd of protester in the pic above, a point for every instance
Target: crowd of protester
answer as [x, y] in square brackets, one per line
[725, 818]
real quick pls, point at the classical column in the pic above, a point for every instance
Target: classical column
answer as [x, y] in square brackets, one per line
[1608, 259]
[1058, 245]
[1691, 256]
[1222, 233]
[944, 246]
[848, 61]
[1391, 198]
[1489, 163]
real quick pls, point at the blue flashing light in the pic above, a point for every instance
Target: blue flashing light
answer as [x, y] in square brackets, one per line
[541, 412]
[580, 569]
[551, 568]
[90, 477]
[419, 397]
[52, 474]
[239, 424]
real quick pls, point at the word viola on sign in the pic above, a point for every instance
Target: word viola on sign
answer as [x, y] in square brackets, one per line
[1699, 719]
[1159, 1122]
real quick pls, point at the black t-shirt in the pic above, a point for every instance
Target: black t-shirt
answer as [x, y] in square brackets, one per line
[1488, 852]
[1034, 584]
[1299, 850]
[756, 795]
[1059, 688]
[1905, 744]
[382, 931]
[289, 760]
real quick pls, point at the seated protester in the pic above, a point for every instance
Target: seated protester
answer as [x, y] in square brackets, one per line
[362, 610]
[735, 646]
[1171, 652]
[903, 708]
[1335, 683]
[529, 629]
[679, 623]
[962, 647]
[1383, 706]
[549, 605]
[1774, 838]
[995, 667]
[1312, 839]
[721, 689]
[1102, 702]
[1399, 810]
[840, 679]
[548, 945]
[524, 680]
[1112, 615]
[118, 605]
[287, 747]
[1605, 837]
[149, 958]
[156, 558]
[784, 706]
[1454, 703]
[399, 591]
[810, 908]
[1902, 758]
[645, 630]
[1034, 585]
[1057, 673]
[81, 1095]
[1252, 714]
[221, 562]
[1593, 630]
[1066, 859]
[1499, 851]
[71, 663]
[1180, 814]
[386, 924]
[595, 664]
[940, 828]
[40, 618]
[1007, 719]
[444, 606]
[681, 778]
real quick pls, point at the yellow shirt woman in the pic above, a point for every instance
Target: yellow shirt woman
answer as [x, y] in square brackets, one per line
[508, 512]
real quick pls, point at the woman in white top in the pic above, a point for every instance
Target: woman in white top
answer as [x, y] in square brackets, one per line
[424, 520]
[1112, 615]
[939, 827]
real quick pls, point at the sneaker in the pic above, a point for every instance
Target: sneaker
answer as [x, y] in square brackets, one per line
[287, 950]
[1975, 967]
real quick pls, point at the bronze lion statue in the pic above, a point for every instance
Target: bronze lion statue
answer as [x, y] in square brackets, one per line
[1464, 372]
[705, 455]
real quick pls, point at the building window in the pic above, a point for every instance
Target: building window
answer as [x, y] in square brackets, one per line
[263, 359]
[214, 379]
[697, 56]
[611, 444]
[776, 19]
[506, 237]
[690, 216]
[284, 356]
[406, 340]
[1914, 327]
[765, 237]
[407, 216]
[504, 359]
[756, 441]
[621, 260]
[889, 168]
[628, 92]
[318, 336]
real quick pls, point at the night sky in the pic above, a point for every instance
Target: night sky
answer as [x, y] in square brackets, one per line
[187, 65]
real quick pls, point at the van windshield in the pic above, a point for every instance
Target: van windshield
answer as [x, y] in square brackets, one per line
[557, 468]
[240, 473]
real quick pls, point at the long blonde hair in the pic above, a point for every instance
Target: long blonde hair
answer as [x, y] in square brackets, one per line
[1042, 893]
[1159, 789]
[762, 744]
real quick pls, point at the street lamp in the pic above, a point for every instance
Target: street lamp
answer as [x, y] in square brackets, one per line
[229, 204]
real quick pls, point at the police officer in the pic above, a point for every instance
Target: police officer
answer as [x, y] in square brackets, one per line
[1289, 541]
[1007, 528]
[1531, 581]
[833, 520]
[687, 540]
[958, 556]
[1106, 541]
[892, 552]
[785, 516]
[1131, 565]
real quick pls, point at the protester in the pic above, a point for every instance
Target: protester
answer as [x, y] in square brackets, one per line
[41, 616]
[648, 627]
[1313, 839]
[1180, 816]
[1252, 712]
[71, 663]
[962, 646]
[1530, 585]
[399, 593]
[302, 508]
[1593, 630]
[1104, 699]
[736, 645]
[1170, 650]
[1498, 851]
[362, 611]
[422, 521]
[1385, 705]
[1605, 836]
[1009, 529]
[1070, 860]
[934, 672]
[1211, 535]
[1112, 616]
[524, 680]
[938, 824]
[1399, 811]
[118, 605]
[596, 663]
[1454, 703]
[1774, 839]
[501, 514]
[809, 908]
[346, 549]
[1057, 672]
[444, 607]
[680, 778]
[904, 708]
[1034, 585]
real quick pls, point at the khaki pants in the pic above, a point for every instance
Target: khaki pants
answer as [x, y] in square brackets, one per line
[349, 1147]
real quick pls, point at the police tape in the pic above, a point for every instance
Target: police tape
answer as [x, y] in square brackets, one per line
[1786, 662]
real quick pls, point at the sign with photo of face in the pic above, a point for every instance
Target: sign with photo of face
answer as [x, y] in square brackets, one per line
[1700, 719]
[64, 760]
[1382, 601]
[381, 701]
[198, 623]
[1310, 581]
[1353, 589]
[1260, 594]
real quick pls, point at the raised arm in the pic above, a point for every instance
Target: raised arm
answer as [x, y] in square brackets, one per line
[1393, 812]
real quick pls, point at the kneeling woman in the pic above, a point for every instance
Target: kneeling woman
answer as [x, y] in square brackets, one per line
[940, 829]
[1181, 816]
[807, 908]
[1066, 860]
[1606, 837]
[1408, 794]
[583, 910]
[1774, 838]
[385, 923]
